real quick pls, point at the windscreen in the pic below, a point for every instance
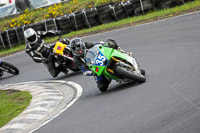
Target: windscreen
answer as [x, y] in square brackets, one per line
[8, 10]
[92, 55]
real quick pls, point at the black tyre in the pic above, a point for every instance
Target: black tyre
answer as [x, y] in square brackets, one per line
[20, 34]
[91, 11]
[145, 8]
[93, 15]
[1, 73]
[106, 12]
[50, 24]
[1, 45]
[131, 12]
[130, 75]
[39, 26]
[102, 8]
[103, 84]
[5, 39]
[94, 22]
[64, 24]
[9, 68]
[12, 37]
[103, 88]
[134, 1]
[74, 68]
[142, 71]
[105, 16]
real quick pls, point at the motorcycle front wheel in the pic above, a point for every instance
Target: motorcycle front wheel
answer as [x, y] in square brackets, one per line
[7, 67]
[121, 71]
[142, 71]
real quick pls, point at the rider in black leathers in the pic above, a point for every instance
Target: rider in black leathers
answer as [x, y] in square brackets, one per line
[41, 51]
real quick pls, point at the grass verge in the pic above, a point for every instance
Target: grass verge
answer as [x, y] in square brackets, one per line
[12, 50]
[12, 104]
[131, 21]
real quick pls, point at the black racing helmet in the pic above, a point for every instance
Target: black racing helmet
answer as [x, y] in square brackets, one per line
[77, 46]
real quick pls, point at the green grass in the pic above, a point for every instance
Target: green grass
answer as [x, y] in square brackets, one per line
[136, 20]
[12, 104]
[54, 11]
[4, 52]
[157, 14]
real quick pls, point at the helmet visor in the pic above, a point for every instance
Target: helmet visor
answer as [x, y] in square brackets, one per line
[79, 51]
[32, 38]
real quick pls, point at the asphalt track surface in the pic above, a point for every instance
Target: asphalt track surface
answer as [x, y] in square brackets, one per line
[168, 102]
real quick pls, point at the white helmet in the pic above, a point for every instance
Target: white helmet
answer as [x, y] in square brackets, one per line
[31, 35]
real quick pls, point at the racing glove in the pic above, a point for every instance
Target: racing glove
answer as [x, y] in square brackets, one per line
[87, 72]
[45, 60]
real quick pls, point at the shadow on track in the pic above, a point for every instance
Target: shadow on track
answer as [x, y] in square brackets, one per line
[113, 88]
[120, 87]
[4, 77]
[69, 75]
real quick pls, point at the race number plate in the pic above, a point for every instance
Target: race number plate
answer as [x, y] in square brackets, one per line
[59, 48]
[100, 60]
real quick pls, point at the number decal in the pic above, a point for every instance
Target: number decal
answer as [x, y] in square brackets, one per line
[100, 60]
[101, 57]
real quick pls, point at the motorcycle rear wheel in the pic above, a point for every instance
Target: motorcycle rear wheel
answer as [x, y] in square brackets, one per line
[75, 69]
[10, 68]
[130, 75]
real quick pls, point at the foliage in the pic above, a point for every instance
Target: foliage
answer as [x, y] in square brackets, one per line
[151, 16]
[33, 16]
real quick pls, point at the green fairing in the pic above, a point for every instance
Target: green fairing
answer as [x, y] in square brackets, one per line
[108, 53]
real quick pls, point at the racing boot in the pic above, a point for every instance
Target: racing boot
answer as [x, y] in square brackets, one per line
[63, 69]
[102, 83]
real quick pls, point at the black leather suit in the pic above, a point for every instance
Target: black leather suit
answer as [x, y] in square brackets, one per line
[41, 53]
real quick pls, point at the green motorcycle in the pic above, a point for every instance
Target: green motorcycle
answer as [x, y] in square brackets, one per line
[114, 65]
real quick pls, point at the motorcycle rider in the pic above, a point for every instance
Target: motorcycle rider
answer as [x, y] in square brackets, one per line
[79, 49]
[40, 51]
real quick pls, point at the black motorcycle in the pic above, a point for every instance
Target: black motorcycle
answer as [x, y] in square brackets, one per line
[63, 55]
[7, 67]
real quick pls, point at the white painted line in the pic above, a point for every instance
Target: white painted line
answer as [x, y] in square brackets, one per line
[78, 94]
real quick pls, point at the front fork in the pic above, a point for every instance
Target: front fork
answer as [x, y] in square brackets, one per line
[110, 70]
[125, 65]
[120, 63]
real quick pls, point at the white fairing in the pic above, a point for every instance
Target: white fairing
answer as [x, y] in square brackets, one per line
[134, 63]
